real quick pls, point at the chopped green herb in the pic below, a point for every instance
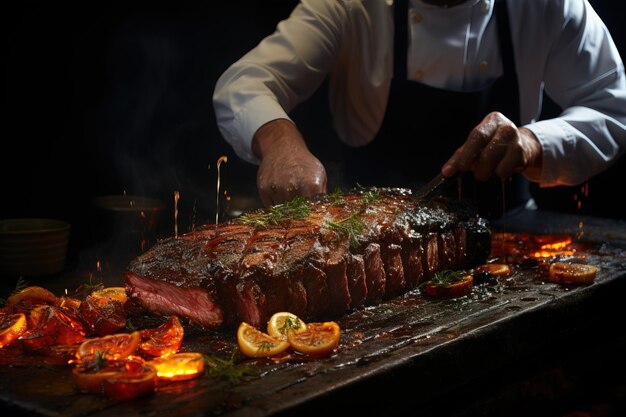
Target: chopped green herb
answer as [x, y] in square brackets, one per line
[264, 346]
[19, 286]
[99, 362]
[297, 208]
[130, 326]
[370, 196]
[228, 370]
[445, 278]
[336, 198]
[290, 323]
[351, 228]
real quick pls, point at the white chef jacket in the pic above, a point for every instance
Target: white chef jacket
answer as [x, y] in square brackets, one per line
[561, 46]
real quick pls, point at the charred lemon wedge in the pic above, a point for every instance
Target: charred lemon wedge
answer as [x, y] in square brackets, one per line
[11, 327]
[318, 339]
[113, 346]
[571, 273]
[283, 322]
[257, 344]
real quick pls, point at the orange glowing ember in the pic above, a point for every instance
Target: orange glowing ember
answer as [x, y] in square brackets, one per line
[179, 366]
[554, 249]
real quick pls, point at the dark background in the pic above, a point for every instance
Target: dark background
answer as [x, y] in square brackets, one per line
[115, 98]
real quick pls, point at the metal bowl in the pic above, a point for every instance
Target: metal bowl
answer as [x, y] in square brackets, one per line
[33, 247]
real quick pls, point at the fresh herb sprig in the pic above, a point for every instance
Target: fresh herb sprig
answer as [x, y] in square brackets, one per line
[351, 228]
[370, 196]
[445, 278]
[336, 198]
[298, 208]
[227, 369]
[291, 323]
[19, 286]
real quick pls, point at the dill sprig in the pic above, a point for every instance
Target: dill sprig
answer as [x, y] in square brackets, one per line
[297, 208]
[336, 198]
[19, 286]
[264, 346]
[228, 370]
[130, 326]
[291, 323]
[351, 228]
[370, 196]
[98, 362]
[445, 278]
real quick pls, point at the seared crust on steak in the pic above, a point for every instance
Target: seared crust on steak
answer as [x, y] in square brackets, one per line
[220, 275]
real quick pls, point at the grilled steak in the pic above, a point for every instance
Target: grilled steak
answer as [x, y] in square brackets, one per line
[343, 252]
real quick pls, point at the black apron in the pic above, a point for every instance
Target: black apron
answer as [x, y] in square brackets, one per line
[423, 126]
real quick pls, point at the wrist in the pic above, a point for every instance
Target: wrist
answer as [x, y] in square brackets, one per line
[534, 153]
[276, 134]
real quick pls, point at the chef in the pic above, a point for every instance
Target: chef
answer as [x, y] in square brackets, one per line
[418, 87]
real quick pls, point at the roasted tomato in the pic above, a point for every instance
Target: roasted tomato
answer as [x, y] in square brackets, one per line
[103, 315]
[257, 344]
[11, 327]
[449, 284]
[70, 305]
[163, 340]
[574, 273]
[113, 346]
[28, 298]
[48, 326]
[118, 379]
[318, 339]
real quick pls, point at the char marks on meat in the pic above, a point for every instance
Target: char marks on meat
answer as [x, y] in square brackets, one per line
[315, 267]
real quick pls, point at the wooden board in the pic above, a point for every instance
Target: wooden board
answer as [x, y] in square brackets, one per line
[404, 354]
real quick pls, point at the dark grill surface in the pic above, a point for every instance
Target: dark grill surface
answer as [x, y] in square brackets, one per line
[502, 351]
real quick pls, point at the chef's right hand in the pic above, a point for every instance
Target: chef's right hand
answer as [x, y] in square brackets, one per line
[286, 167]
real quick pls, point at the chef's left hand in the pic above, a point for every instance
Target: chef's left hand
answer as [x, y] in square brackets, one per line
[496, 146]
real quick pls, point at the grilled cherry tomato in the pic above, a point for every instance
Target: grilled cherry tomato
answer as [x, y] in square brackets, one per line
[49, 326]
[70, 305]
[11, 327]
[257, 344]
[103, 315]
[113, 346]
[28, 298]
[574, 273]
[284, 322]
[163, 340]
[452, 289]
[318, 339]
[117, 379]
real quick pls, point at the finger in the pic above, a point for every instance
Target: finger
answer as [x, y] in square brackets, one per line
[512, 161]
[476, 141]
[451, 166]
[494, 151]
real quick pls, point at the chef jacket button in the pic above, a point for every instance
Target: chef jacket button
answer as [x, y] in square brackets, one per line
[483, 65]
[416, 17]
[418, 75]
[484, 6]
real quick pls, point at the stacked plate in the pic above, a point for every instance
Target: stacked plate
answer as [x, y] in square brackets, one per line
[33, 247]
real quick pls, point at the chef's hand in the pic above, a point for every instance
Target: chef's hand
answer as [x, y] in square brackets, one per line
[287, 168]
[497, 147]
